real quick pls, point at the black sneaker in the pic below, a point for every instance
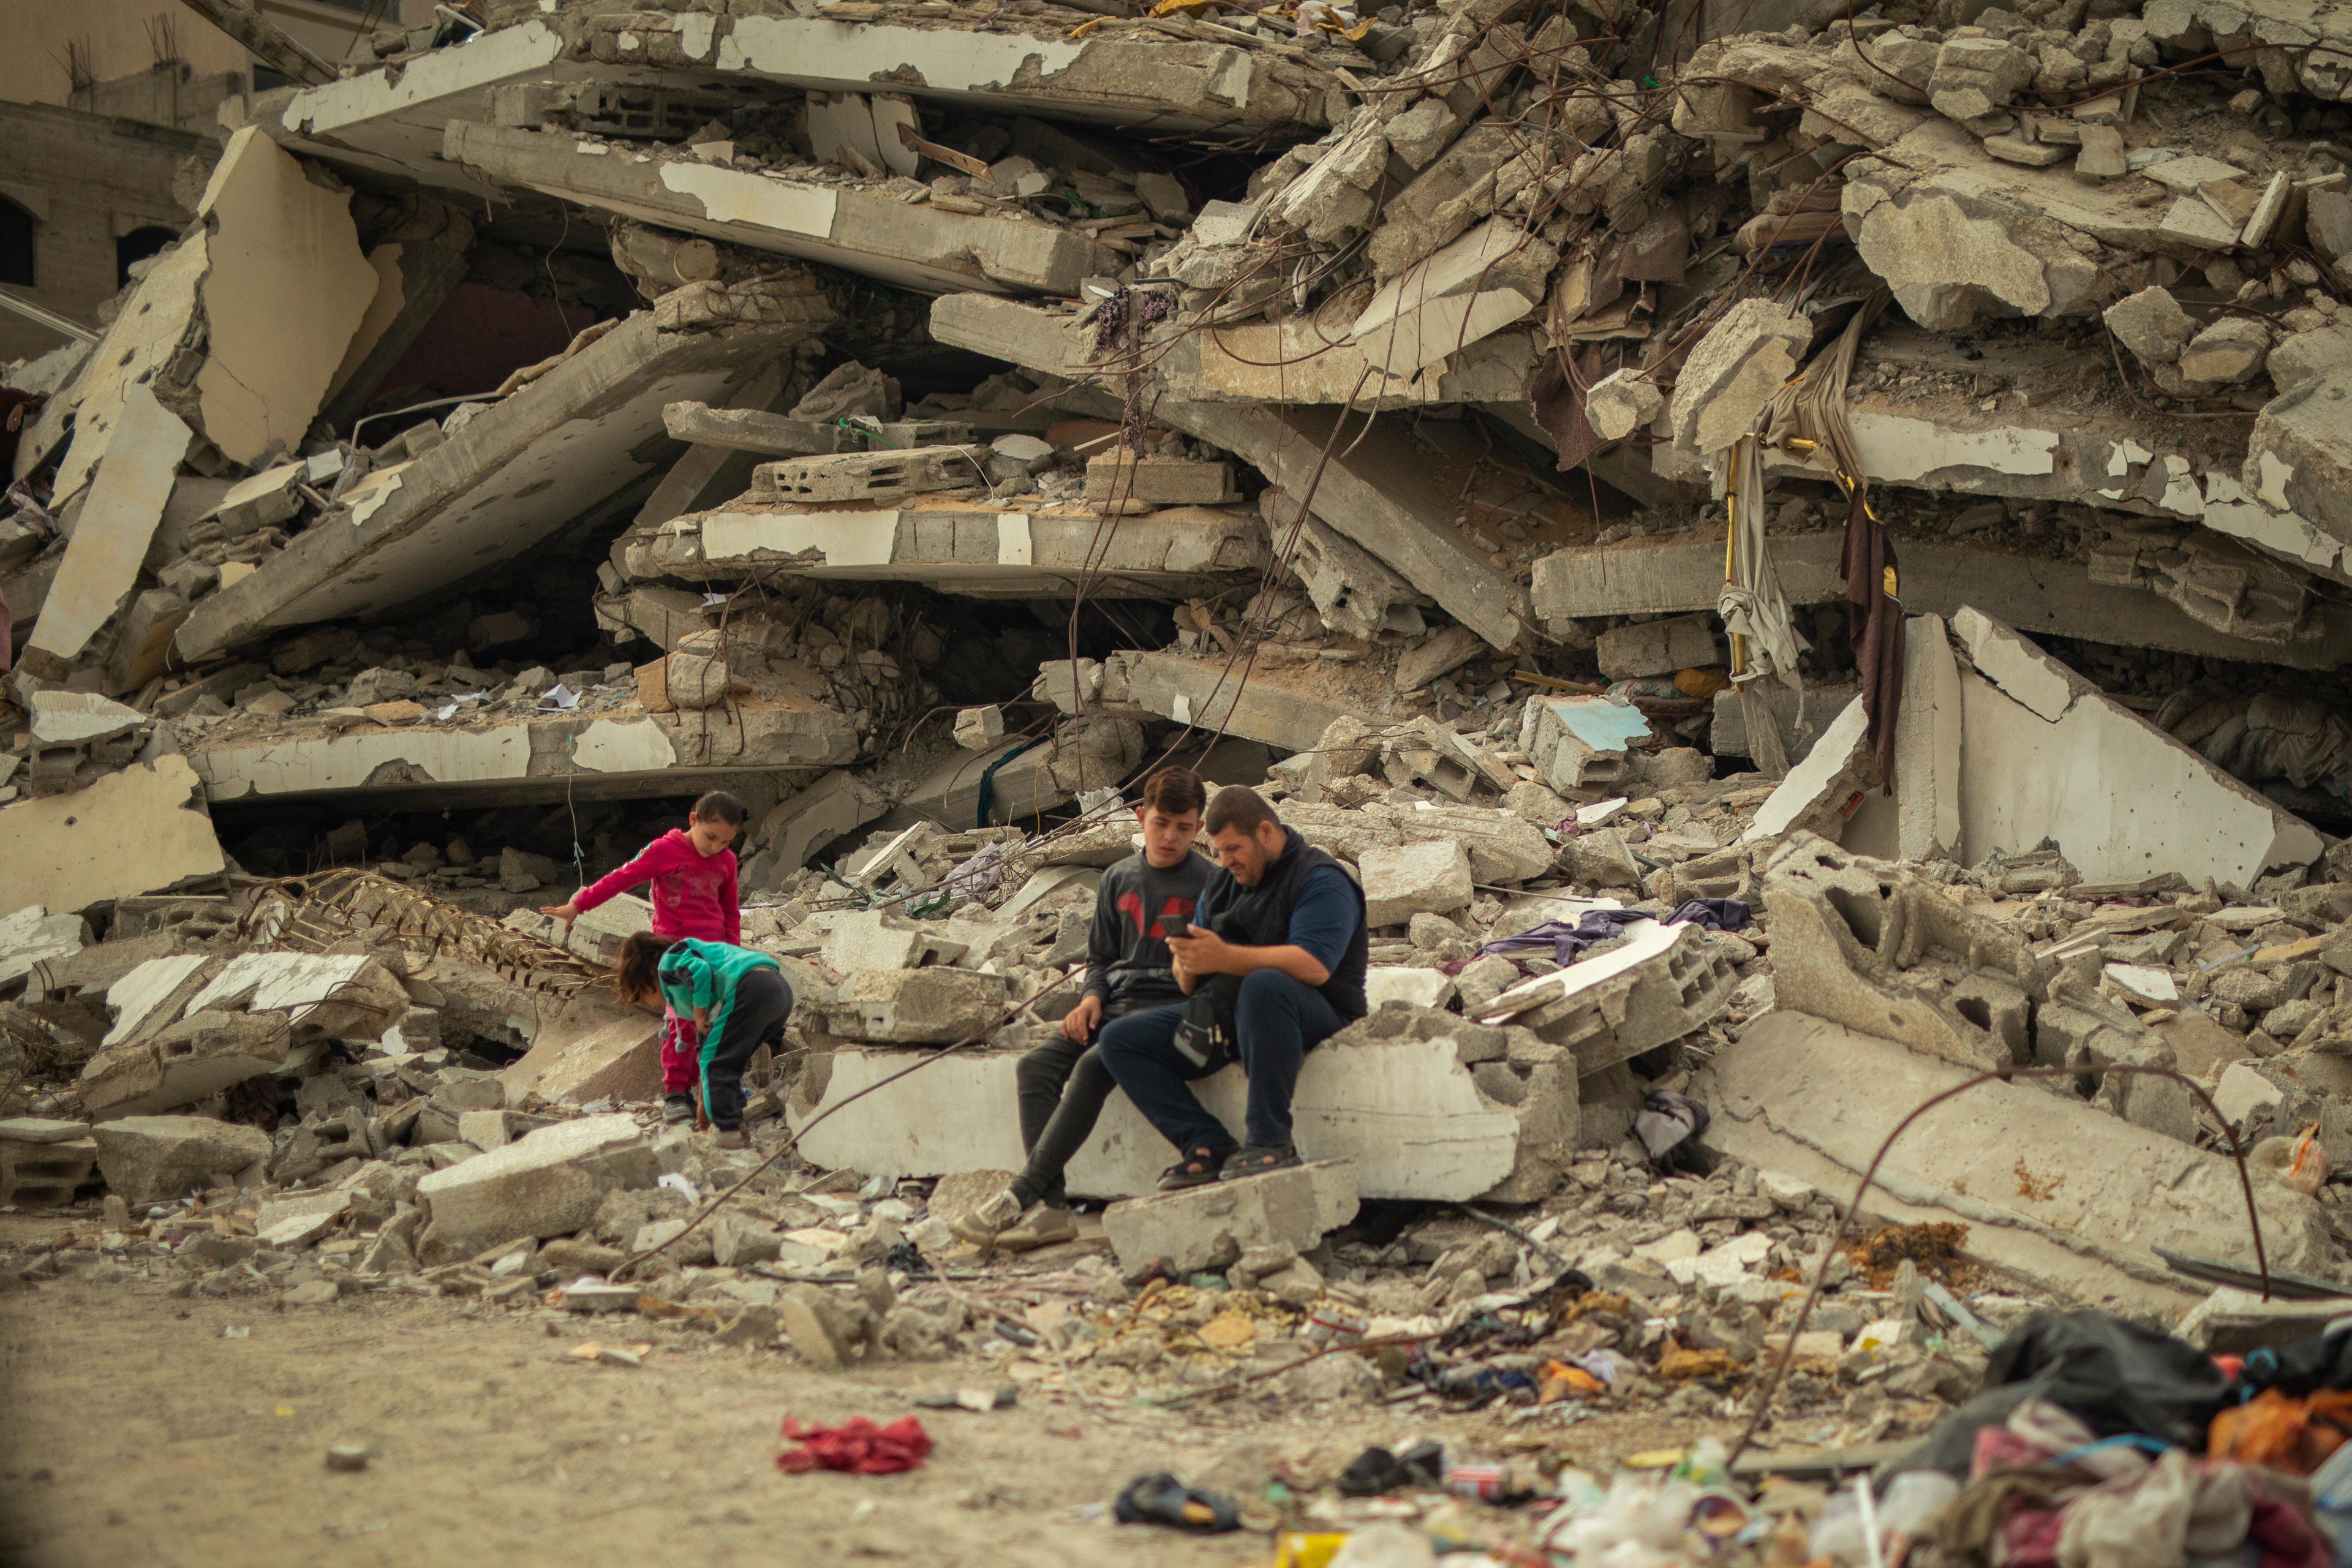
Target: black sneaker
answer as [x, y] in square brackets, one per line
[678, 1108]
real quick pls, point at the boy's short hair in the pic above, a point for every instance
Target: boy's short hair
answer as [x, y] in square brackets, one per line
[1238, 806]
[720, 806]
[1174, 791]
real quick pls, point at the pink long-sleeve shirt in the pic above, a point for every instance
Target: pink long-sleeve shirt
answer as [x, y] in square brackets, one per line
[693, 893]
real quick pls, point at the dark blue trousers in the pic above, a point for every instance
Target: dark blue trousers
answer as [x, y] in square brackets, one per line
[1277, 1022]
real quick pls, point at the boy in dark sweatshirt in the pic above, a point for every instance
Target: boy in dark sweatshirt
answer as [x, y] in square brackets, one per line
[1062, 1084]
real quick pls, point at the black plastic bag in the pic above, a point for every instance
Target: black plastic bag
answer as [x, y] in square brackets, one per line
[2116, 1377]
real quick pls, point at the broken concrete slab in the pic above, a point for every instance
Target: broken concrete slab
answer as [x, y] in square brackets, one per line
[1826, 786]
[909, 1006]
[113, 533]
[864, 230]
[1407, 1110]
[186, 1061]
[32, 936]
[1664, 983]
[2049, 757]
[141, 830]
[1406, 879]
[1870, 945]
[593, 1049]
[617, 754]
[1734, 371]
[146, 1158]
[506, 480]
[1808, 1099]
[239, 331]
[1922, 820]
[1209, 1226]
[545, 1184]
[961, 547]
[1658, 647]
[1289, 700]
[837, 803]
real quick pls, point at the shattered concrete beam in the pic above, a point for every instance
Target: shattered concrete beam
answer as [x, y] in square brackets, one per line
[508, 477]
[866, 231]
[1669, 575]
[961, 547]
[618, 756]
[392, 119]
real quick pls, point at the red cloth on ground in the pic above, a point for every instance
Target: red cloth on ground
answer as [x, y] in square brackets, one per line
[856, 1446]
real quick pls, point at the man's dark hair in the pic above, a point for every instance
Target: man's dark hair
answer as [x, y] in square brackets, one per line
[720, 806]
[1238, 806]
[1174, 791]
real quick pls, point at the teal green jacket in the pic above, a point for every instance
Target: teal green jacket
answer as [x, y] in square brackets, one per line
[696, 973]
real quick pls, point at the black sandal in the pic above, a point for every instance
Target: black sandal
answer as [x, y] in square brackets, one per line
[1199, 1167]
[1257, 1159]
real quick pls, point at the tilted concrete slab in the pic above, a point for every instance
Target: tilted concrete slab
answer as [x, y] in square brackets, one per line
[502, 482]
[2045, 755]
[1813, 1100]
[863, 230]
[1281, 698]
[1663, 575]
[621, 754]
[113, 533]
[392, 119]
[961, 547]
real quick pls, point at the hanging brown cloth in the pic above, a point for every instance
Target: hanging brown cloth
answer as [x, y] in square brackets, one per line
[1873, 622]
[1807, 419]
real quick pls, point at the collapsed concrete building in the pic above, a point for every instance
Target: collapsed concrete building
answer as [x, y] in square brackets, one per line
[922, 420]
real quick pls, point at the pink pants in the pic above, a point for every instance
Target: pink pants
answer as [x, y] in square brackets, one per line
[681, 1055]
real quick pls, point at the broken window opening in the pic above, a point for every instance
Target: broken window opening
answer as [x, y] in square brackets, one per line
[138, 245]
[16, 245]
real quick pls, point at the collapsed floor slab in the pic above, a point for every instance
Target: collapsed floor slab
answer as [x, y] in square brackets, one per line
[961, 547]
[1671, 573]
[623, 753]
[1808, 1099]
[861, 230]
[1388, 494]
[392, 119]
[505, 480]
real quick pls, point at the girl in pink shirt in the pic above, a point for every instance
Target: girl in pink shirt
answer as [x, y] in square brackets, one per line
[694, 895]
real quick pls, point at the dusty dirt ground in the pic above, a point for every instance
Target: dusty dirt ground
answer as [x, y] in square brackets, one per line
[134, 1432]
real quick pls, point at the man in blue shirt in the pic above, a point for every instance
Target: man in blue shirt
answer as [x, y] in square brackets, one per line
[1278, 947]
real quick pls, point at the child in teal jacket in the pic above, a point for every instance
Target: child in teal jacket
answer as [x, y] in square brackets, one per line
[739, 1001]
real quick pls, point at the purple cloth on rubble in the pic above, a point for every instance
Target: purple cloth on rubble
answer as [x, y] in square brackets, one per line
[1602, 925]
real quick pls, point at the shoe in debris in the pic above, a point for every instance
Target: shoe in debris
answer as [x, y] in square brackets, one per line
[1045, 1225]
[988, 1218]
[678, 1108]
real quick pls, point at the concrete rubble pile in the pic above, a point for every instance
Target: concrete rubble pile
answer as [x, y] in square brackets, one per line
[924, 421]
